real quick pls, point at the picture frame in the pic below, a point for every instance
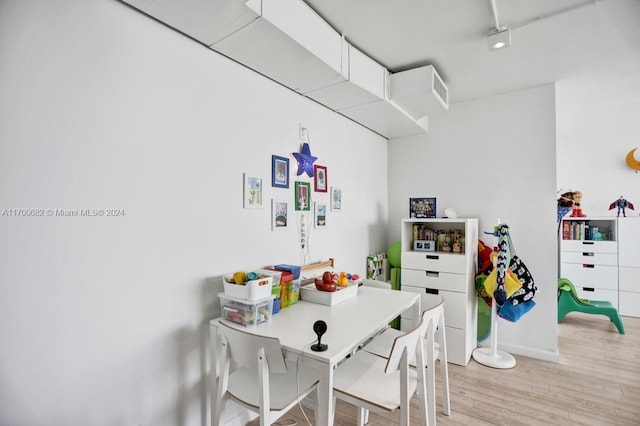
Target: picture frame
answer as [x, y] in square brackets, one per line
[422, 208]
[336, 199]
[279, 215]
[302, 193]
[252, 192]
[320, 215]
[279, 172]
[320, 178]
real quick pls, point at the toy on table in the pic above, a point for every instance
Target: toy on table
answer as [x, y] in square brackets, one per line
[241, 277]
[621, 204]
[343, 281]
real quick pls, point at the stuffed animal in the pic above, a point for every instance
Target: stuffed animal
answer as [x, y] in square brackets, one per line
[485, 263]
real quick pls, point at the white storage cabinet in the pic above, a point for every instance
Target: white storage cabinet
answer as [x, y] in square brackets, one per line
[591, 265]
[450, 275]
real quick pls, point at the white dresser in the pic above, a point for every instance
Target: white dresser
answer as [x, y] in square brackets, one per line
[446, 274]
[592, 267]
[629, 265]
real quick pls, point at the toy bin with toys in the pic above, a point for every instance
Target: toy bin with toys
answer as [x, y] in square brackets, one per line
[245, 312]
[248, 286]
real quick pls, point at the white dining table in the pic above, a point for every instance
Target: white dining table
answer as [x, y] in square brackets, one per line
[349, 324]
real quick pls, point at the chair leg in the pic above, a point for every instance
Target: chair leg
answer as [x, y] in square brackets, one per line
[431, 394]
[615, 318]
[446, 403]
[363, 416]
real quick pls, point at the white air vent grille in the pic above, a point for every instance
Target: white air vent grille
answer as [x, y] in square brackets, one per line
[440, 89]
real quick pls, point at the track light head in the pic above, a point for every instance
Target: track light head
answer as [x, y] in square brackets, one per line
[499, 38]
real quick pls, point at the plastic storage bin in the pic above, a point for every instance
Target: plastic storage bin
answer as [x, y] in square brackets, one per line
[252, 290]
[295, 270]
[247, 313]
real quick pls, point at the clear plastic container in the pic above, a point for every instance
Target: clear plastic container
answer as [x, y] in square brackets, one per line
[246, 312]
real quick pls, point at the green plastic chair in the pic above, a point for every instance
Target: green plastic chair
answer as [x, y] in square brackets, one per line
[568, 301]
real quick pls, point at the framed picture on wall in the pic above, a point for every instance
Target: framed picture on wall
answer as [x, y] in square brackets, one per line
[320, 178]
[279, 215]
[252, 192]
[336, 199]
[320, 215]
[279, 172]
[302, 196]
[422, 207]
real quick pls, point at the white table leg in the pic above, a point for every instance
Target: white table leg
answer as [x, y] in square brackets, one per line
[325, 403]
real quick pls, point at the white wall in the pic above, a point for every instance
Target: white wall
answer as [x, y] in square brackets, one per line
[493, 158]
[597, 126]
[104, 320]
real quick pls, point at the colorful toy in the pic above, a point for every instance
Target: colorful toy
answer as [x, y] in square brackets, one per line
[577, 210]
[343, 281]
[621, 204]
[570, 200]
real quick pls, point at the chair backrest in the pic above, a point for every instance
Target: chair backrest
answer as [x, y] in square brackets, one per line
[405, 344]
[375, 283]
[433, 316]
[565, 285]
[243, 348]
[433, 328]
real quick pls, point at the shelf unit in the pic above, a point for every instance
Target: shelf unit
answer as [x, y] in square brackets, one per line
[589, 257]
[446, 274]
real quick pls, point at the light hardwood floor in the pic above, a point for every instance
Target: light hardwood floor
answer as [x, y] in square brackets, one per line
[596, 382]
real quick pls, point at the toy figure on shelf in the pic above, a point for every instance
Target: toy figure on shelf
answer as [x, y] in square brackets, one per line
[577, 210]
[570, 200]
[621, 204]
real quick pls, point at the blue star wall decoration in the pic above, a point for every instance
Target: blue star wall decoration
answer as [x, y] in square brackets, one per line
[305, 160]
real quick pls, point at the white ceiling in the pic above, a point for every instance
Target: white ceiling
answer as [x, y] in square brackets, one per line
[451, 35]
[547, 45]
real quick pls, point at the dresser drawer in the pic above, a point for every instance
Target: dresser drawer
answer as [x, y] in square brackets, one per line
[629, 304]
[436, 280]
[455, 305]
[591, 293]
[590, 257]
[592, 246]
[586, 275]
[434, 261]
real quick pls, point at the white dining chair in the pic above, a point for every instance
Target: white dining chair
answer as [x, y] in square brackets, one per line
[377, 384]
[376, 283]
[435, 348]
[264, 381]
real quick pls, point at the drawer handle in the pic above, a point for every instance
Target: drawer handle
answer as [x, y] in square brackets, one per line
[586, 265]
[589, 243]
[432, 274]
[586, 253]
[431, 290]
[592, 289]
[433, 256]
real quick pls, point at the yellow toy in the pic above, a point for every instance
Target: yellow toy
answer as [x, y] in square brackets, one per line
[343, 281]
